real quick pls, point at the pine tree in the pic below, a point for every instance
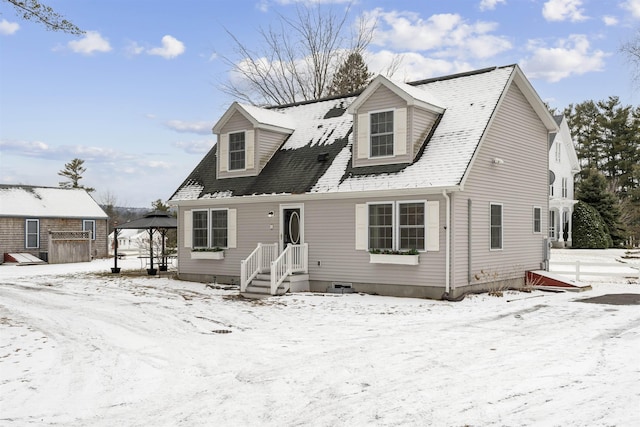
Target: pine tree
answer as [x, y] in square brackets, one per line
[592, 190]
[351, 76]
[73, 172]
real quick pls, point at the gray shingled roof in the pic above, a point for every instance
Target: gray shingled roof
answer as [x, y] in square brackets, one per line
[316, 158]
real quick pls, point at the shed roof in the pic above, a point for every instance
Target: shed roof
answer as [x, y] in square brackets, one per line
[48, 202]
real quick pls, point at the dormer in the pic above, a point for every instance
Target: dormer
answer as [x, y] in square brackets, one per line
[248, 137]
[391, 120]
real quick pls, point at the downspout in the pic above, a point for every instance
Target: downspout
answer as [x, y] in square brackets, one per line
[447, 227]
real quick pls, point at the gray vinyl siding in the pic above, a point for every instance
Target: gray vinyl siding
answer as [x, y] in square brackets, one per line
[329, 230]
[382, 99]
[252, 227]
[236, 123]
[267, 142]
[421, 123]
[518, 137]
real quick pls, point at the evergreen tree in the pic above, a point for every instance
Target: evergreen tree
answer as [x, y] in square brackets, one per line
[73, 172]
[592, 190]
[585, 129]
[351, 76]
[588, 228]
[159, 205]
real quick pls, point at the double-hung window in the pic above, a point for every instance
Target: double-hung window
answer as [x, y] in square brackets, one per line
[237, 151]
[201, 229]
[210, 228]
[565, 187]
[32, 234]
[397, 226]
[381, 134]
[89, 225]
[412, 225]
[496, 226]
[537, 220]
[219, 229]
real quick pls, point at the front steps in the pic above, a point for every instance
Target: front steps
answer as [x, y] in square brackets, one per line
[260, 287]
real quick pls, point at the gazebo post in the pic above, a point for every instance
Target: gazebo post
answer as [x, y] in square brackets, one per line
[115, 268]
[163, 264]
[151, 271]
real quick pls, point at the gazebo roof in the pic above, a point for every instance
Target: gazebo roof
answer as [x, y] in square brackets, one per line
[156, 219]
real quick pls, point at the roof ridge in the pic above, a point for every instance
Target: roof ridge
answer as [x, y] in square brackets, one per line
[456, 75]
[413, 83]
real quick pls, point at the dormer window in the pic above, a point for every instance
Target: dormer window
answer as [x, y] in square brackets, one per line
[392, 122]
[381, 134]
[237, 151]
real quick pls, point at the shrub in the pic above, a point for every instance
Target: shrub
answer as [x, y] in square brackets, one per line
[589, 230]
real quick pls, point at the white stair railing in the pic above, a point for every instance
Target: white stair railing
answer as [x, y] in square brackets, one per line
[261, 257]
[294, 259]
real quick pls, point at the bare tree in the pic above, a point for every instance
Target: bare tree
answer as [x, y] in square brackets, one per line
[34, 10]
[631, 49]
[298, 58]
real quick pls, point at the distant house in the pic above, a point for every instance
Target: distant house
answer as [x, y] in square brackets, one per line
[133, 241]
[428, 189]
[563, 166]
[31, 216]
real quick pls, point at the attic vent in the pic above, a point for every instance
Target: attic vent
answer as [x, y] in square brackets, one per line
[322, 157]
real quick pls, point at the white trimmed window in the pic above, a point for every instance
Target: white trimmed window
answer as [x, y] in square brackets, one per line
[496, 230]
[564, 187]
[237, 151]
[200, 229]
[537, 219]
[398, 226]
[210, 228]
[32, 233]
[89, 225]
[381, 134]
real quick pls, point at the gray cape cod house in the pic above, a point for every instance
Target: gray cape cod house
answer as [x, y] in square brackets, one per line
[426, 189]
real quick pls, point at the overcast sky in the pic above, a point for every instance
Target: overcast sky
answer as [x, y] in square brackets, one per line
[136, 96]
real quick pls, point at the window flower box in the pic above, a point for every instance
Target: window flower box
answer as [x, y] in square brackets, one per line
[400, 259]
[211, 254]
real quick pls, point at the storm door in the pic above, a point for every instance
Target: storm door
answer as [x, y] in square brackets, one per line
[292, 230]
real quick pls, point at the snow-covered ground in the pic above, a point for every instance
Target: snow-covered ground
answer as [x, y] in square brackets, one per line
[82, 347]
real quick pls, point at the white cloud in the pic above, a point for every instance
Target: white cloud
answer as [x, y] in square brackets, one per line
[171, 47]
[134, 49]
[571, 56]
[490, 4]
[42, 150]
[195, 147]
[448, 35]
[609, 20]
[90, 43]
[413, 66]
[563, 10]
[632, 6]
[7, 28]
[203, 128]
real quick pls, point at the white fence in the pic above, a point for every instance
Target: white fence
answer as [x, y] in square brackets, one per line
[602, 269]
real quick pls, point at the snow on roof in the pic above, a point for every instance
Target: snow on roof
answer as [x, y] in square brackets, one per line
[312, 128]
[269, 117]
[467, 100]
[470, 102]
[48, 202]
